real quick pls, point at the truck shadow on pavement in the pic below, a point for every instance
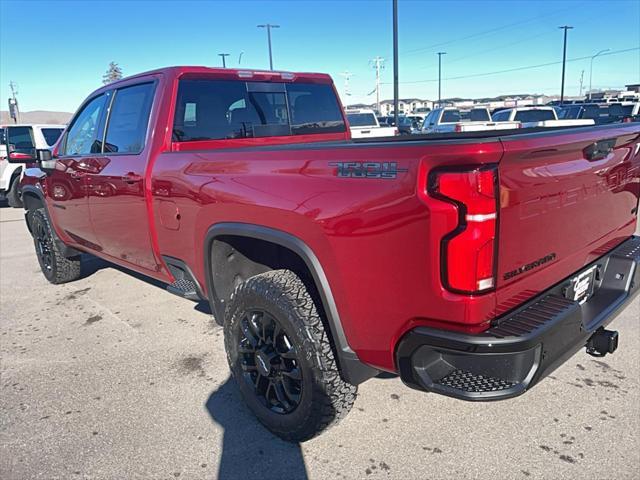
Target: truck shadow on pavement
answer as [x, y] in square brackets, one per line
[248, 449]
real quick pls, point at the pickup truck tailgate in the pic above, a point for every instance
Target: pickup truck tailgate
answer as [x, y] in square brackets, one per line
[565, 200]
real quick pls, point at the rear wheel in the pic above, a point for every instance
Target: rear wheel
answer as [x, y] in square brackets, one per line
[281, 357]
[55, 266]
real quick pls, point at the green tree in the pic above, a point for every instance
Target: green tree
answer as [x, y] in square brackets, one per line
[114, 72]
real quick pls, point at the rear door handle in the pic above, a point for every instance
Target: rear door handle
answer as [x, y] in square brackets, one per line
[600, 149]
[131, 178]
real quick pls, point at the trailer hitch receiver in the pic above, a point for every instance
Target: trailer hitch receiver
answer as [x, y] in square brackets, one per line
[602, 342]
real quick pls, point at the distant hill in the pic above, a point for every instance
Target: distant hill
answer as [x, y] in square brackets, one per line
[37, 116]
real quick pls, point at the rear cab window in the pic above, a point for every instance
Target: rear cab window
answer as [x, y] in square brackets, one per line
[211, 109]
[534, 115]
[362, 119]
[51, 135]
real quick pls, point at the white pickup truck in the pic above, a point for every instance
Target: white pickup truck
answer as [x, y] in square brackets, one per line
[364, 124]
[531, 117]
[28, 137]
[451, 119]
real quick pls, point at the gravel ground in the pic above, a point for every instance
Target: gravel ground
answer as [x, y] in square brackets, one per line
[111, 377]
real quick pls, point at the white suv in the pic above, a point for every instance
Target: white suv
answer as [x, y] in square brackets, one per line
[26, 137]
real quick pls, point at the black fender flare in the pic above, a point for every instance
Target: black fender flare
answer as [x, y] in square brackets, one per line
[27, 190]
[353, 370]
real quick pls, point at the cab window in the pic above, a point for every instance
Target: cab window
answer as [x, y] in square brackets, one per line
[128, 120]
[82, 136]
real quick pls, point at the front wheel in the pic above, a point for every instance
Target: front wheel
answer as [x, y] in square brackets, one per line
[280, 355]
[55, 266]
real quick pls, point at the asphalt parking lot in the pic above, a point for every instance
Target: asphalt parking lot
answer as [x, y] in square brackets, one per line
[111, 377]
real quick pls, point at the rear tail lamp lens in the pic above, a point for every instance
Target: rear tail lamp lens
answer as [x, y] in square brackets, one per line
[468, 252]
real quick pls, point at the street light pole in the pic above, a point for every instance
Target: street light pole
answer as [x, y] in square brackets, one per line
[223, 55]
[564, 60]
[395, 63]
[269, 26]
[591, 68]
[440, 76]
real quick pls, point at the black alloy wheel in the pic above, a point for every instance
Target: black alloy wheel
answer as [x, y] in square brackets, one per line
[44, 246]
[269, 362]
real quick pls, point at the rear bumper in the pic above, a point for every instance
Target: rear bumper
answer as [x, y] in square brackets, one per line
[525, 345]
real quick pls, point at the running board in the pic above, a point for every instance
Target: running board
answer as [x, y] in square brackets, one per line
[184, 285]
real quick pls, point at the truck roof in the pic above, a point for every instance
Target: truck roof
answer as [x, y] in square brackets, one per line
[230, 73]
[36, 125]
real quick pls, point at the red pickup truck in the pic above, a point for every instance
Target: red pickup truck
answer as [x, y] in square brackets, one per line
[471, 265]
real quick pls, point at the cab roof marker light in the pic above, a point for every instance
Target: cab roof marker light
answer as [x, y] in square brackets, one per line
[245, 74]
[287, 76]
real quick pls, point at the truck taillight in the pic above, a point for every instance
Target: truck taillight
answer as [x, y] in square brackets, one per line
[458, 128]
[468, 252]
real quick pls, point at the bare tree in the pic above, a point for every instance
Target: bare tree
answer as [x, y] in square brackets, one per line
[114, 72]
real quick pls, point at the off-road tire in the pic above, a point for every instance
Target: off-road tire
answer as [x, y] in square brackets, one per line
[325, 397]
[55, 266]
[14, 199]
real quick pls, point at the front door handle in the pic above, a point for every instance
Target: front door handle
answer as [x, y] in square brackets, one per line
[131, 178]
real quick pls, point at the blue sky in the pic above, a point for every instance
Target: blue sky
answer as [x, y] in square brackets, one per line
[57, 51]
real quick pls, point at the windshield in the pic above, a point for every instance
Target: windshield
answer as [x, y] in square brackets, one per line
[51, 135]
[361, 119]
[534, 115]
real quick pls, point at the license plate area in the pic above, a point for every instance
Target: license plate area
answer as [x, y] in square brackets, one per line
[581, 287]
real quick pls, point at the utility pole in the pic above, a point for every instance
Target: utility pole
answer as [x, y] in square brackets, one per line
[564, 60]
[269, 26]
[591, 68]
[378, 64]
[223, 55]
[347, 76]
[581, 80]
[440, 77]
[14, 111]
[395, 63]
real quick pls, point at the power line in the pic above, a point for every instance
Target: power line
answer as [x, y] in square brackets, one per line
[486, 32]
[500, 47]
[517, 69]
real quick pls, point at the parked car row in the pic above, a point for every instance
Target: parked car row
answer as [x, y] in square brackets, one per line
[364, 123]
[601, 113]
[27, 138]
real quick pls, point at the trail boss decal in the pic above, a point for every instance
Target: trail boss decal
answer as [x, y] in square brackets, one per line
[367, 169]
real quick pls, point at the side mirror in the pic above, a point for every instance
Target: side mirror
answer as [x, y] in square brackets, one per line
[21, 151]
[19, 148]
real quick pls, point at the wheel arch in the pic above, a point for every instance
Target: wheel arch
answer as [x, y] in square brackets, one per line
[32, 199]
[235, 251]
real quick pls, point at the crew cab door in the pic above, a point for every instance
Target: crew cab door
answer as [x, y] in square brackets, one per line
[67, 184]
[116, 189]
